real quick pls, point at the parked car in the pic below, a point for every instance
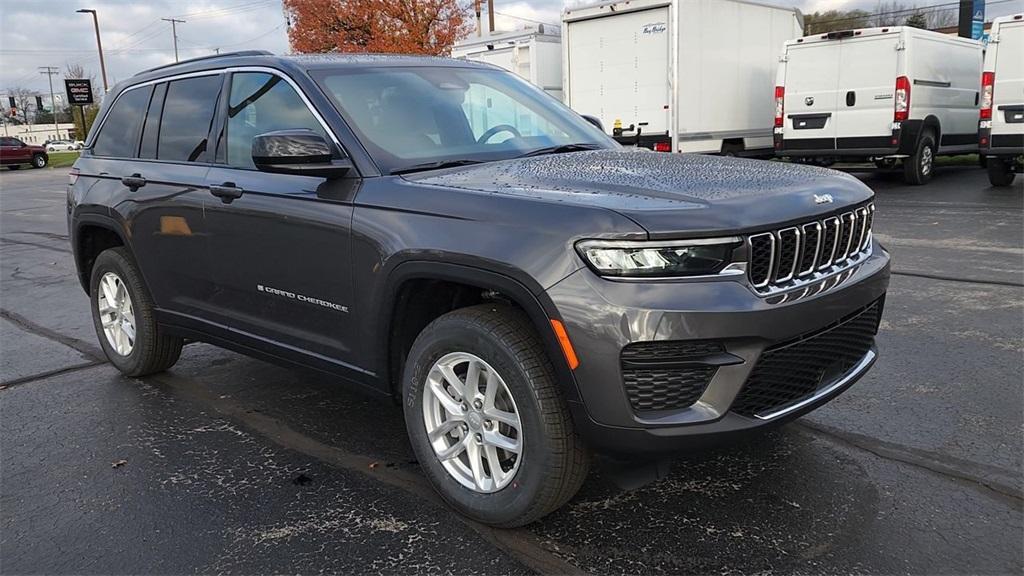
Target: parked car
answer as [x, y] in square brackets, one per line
[678, 75]
[14, 154]
[79, 144]
[879, 94]
[60, 146]
[1001, 127]
[529, 295]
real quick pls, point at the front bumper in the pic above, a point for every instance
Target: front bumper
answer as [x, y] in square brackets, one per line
[603, 316]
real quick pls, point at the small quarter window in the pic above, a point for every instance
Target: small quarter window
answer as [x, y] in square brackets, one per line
[119, 136]
[187, 114]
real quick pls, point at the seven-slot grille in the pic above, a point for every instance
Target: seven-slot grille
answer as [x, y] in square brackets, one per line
[797, 252]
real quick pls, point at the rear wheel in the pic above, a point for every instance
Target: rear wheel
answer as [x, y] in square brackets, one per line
[123, 315]
[1000, 171]
[919, 166]
[39, 161]
[486, 419]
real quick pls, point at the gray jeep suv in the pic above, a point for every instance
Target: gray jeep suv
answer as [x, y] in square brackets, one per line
[447, 235]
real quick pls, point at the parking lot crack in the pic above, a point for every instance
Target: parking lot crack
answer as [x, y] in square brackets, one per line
[928, 276]
[29, 326]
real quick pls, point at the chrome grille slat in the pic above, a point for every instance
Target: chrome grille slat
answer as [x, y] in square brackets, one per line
[786, 258]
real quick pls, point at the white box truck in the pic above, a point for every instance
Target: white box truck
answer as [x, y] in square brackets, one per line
[881, 94]
[1001, 124]
[682, 75]
[534, 53]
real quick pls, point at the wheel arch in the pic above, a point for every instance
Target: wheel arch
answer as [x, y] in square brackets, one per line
[393, 305]
[94, 233]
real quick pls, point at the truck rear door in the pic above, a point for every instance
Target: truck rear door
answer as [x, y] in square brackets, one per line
[812, 78]
[867, 69]
[619, 69]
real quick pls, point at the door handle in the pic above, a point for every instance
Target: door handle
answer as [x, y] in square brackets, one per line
[227, 192]
[851, 98]
[134, 182]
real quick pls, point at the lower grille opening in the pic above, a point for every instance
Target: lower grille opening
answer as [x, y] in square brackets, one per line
[794, 371]
[667, 375]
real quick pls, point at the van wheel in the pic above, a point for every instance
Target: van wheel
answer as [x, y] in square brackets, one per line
[1000, 171]
[486, 419]
[123, 315]
[919, 166]
[39, 161]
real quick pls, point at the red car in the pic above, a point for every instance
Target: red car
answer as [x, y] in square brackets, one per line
[14, 153]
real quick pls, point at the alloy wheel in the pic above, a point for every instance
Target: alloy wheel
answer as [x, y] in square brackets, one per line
[472, 422]
[926, 160]
[117, 315]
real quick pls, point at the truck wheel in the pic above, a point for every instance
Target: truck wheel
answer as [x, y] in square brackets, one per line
[486, 419]
[39, 161]
[918, 167]
[123, 315]
[1000, 171]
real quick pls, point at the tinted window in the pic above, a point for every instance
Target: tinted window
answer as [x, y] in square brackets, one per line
[119, 136]
[262, 103]
[188, 112]
[151, 129]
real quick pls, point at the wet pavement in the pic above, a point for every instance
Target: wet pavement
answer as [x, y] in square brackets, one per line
[228, 464]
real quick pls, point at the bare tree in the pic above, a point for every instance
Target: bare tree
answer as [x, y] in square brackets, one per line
[23, 99]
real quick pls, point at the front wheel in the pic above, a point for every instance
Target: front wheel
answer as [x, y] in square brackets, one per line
[124, 318]
[919, 166]
[39, 161]
[1000, 171]
[486, 419]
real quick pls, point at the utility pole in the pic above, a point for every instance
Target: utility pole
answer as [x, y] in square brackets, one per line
[174, 31]
[50, 71]
[490, 15]
[99, 45]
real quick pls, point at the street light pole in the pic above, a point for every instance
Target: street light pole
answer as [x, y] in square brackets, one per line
[174, 32]
[99, 44]
[50, 71]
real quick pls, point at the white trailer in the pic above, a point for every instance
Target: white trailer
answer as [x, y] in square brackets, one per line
[687, 75]
[533, 53]
[879, 93]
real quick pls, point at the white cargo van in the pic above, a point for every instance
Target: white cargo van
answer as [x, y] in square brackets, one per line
[879, 93]
[1001, 128]
[534, 53]
[683, 75]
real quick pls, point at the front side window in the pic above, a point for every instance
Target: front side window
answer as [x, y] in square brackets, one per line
[409, 116]
[261, 103]
[187, 115]
[119, 136]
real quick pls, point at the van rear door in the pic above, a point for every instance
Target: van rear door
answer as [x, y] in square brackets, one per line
[619, 68]
[867, 82]
[1008, 93]
[812, 77]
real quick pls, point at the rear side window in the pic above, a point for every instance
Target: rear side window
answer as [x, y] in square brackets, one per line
[119, 136]
[187, 114]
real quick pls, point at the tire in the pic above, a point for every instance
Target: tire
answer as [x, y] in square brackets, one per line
[150, 351]
[552, 461]
[39, 161]
[1000, 171]
[51, 149]
[919, 166]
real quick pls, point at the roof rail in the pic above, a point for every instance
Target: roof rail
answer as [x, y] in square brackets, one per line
[212, 57]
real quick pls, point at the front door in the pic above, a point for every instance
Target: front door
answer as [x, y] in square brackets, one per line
[279, 244]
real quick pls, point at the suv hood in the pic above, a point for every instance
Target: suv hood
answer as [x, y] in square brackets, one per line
[669, 195]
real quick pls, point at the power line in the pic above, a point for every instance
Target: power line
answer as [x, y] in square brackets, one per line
[174, 32]
[526, 19]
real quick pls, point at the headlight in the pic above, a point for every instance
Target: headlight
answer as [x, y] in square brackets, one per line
[659, 259]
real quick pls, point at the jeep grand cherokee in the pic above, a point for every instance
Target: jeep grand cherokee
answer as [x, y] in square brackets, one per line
[442, 232]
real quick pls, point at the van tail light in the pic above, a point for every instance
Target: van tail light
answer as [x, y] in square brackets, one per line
[780, 97]
[662, 147]
[988, 81]
[902, 110]
[72, 176]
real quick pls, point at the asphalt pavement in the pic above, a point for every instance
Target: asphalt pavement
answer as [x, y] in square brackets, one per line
[228, 464]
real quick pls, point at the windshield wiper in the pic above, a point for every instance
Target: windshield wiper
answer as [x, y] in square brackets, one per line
[436, 165]
[560, 149]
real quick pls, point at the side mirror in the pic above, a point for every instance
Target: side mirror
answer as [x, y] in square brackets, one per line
[301, 152]
[593, 120]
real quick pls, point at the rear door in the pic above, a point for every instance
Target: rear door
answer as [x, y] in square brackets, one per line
[812, 79]
[619, 69]
[867, 84]
[1008, 92]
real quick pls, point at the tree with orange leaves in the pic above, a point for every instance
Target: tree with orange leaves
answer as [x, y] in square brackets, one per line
[396, 26]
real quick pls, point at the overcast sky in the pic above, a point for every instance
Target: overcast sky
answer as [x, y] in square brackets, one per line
[37, 33]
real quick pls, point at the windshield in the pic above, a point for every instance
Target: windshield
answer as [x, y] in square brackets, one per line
[415, 117]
